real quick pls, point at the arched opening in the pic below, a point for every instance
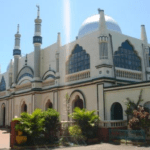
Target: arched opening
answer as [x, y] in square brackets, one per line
[77, 102]
[116, 112]
[24, 107]
[48, 105]
[147, 106]
[3, 113]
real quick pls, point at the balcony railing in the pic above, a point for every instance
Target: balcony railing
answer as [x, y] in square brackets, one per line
[78, 76]
[129, 74]
[23, 86]
[48, 83]
[2, 94]
[107, 124]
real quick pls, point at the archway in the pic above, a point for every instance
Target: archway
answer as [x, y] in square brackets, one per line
[3, 113]
[24, 107]
[77, 102]
[48, 105]
[116, 112]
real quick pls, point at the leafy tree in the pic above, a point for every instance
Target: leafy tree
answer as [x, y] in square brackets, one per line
[86, 120]
[140, 120]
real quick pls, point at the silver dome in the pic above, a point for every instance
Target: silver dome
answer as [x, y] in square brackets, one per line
[91, 24]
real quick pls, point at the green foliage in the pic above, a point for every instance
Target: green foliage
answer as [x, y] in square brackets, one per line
[131, 105]
[33, 125]
[51, 120]
[140, 120]
[86, 120]
[75, 131]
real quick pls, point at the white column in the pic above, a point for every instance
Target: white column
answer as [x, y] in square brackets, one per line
[101, 101]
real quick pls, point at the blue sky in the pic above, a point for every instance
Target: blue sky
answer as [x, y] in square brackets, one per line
[129, 14]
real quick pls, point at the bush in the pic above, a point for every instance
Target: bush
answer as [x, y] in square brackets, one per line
[141, 120]
[76, 132]
[33, 125]
[87, 121]
[51, 123]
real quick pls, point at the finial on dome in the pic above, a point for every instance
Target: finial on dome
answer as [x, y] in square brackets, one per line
[18, 29]
[38, 12]
[99, 10]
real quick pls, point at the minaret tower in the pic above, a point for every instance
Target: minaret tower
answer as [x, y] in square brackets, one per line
[57, 58]
[105, 62]
[37, 41]
[16, 54]
[146, 49]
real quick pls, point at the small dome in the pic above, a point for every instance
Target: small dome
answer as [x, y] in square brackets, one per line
[91, 24]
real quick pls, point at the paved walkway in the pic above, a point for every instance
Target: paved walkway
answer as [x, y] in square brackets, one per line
[4, 139]
[102, 146]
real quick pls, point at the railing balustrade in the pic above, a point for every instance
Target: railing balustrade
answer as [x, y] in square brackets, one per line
[78, 76]
[129, 74]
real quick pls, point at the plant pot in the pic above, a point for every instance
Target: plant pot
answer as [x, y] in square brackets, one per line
[21, 139]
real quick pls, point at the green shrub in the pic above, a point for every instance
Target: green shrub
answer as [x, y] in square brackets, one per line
[33, 125]
[75, 131]
[87, 121]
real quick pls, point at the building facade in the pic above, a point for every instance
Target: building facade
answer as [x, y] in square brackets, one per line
[98, 71]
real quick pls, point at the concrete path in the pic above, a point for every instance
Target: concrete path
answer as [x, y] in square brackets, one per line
[4, 139]
[102, 146]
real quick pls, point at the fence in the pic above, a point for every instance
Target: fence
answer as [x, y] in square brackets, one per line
[133, 135]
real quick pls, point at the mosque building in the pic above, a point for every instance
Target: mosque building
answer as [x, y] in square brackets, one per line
[98, 71]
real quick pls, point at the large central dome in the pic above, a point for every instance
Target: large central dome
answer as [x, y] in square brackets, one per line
[91, 24]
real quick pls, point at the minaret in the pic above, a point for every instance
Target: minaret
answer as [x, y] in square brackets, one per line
[146, 50]
[57, 58]
[104, 64]
[57, 52]
[37, 41]
[16, 54]
[103, 38]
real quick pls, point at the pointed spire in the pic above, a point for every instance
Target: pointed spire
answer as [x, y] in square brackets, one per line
[18, 29]
[38, 12]
[59, 39]
[143, 34]
[102, 24]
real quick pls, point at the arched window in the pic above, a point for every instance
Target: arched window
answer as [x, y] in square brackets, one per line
[2, 84]
[116, 111]
[127, 58]
[78, 61]
[77, 102]
[24, 107]
[48, 105]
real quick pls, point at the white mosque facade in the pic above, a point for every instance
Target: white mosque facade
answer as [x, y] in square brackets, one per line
[98, 71]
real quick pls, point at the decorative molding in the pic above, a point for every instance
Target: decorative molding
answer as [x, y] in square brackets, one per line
[103, 65]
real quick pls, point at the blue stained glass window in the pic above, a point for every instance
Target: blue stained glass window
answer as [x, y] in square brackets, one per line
[2, 84]
[127, 58]
[78, 61]
[25, 74]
